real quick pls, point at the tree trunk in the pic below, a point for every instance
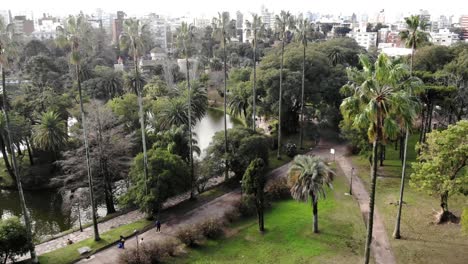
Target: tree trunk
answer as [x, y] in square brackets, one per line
[30, 154]
[278, 156]
[423, 124]
[429, 130]
[226, 166]
[370, 220]
[396, 233]
[261, 225]
[88, 163]
[17, 145]
[6, 160]
[109, 197]
[192, 176]
[315, 213]
[302, 96]
[254, 105]
[24, 209]
[382, 154]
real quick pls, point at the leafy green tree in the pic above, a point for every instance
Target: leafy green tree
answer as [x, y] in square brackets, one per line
[441, 167]
[110, 82]
[223, 29]
[256, 28]
[457, 70]
[253, 182]
[75, 30]
[302, 29]
[244, 146]
[156, 88]
[133, 39]
[283, 23]
[126, 109]
[7, 48]
[168, 176]
[177, 141]
[378, 104]
[308, 175]
[13, 239]
[50, 133]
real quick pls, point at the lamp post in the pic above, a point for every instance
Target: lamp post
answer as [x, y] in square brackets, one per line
[351, 182]
[137, 242]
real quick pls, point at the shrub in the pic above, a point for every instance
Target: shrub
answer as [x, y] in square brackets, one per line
[189, 235]
[149, 253]
[232, 215]
[212, 228]
[246, 206]
[291, 149]
[278, 189]
[464, 220]
[171, 245]
[13, 239]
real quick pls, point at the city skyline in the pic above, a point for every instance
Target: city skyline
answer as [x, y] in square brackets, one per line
[208, 9]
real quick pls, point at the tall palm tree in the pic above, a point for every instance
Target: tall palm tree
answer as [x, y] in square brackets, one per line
[184, 38]
[50, 133]
[223, 29]
[309, 175]
[302, 34]
[5, 45]
[76, 28]
[132, 39]
[378, 104]
[256, 28]
[413, 36]
[283, 23]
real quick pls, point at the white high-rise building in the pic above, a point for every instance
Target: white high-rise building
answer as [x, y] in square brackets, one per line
[158, 27]
[444, 37]
[268, 18]
[364, 39]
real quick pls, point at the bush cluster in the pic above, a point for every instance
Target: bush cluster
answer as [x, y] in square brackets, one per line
[190, 235]
[464, 220]
[278, 189]
[212, 228]
[149, 253]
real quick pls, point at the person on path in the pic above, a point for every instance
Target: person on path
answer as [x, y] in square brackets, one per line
[121, 242]
[158, 226]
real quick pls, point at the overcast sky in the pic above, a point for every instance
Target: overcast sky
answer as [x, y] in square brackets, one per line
[210, 7]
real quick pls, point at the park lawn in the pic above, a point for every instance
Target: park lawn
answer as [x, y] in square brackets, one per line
[70, 253]
[289, 237]
[422, 241]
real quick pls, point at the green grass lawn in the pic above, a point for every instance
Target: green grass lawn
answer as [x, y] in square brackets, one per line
[289, 237]
[422, 241]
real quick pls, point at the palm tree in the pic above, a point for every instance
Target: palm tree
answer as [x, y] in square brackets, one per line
[378, 104]
[50, 133]
[256, 28]
[184, 38]
[75, 29]
[309, 175]
[284, 22]
[335, 56]
[131, 38]
[414, 35]
[5, 45]
[223, 28]
[239, 100]
[302, 31]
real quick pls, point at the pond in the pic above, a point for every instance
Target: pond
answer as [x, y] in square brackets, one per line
[50, 215]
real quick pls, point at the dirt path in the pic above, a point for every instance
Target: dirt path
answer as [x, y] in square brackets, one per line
[380, 247]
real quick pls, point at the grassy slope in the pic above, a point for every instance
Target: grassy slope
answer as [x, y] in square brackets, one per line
[289, 237]
[422, 241]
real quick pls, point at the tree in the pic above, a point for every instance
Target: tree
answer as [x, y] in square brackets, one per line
[302, 29]
[177, 141]
[223, 29]
[414, 36]
[168, 176]
[184, 39]
[7, 46]
[283, 23]
[308, 175]
[253, 182]
[50, 133]
[110, 153]
[378, 104]
[13, 239]
[75, 30]
[441, 166]
[239, 100]
[244, 146]
[256, 28]
[132, 38]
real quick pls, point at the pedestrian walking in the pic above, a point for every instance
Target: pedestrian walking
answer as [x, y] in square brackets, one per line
[158, 226]
[121, 243]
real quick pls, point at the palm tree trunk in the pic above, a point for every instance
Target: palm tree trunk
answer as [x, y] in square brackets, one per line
[24, 209]
[6, 160]
[396, 233]
[192, 176]
[28, 146]
[254, 81]
[315, 213]
[226, 169]
[278, 156]
[302, 96]
[142, 120]
[370, 220]
[88, 163]
[423, 124]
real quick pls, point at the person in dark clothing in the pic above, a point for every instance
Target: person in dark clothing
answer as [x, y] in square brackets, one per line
[121, 243]
[158, 226]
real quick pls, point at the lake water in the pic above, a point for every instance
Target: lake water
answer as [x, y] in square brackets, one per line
[46, 207]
